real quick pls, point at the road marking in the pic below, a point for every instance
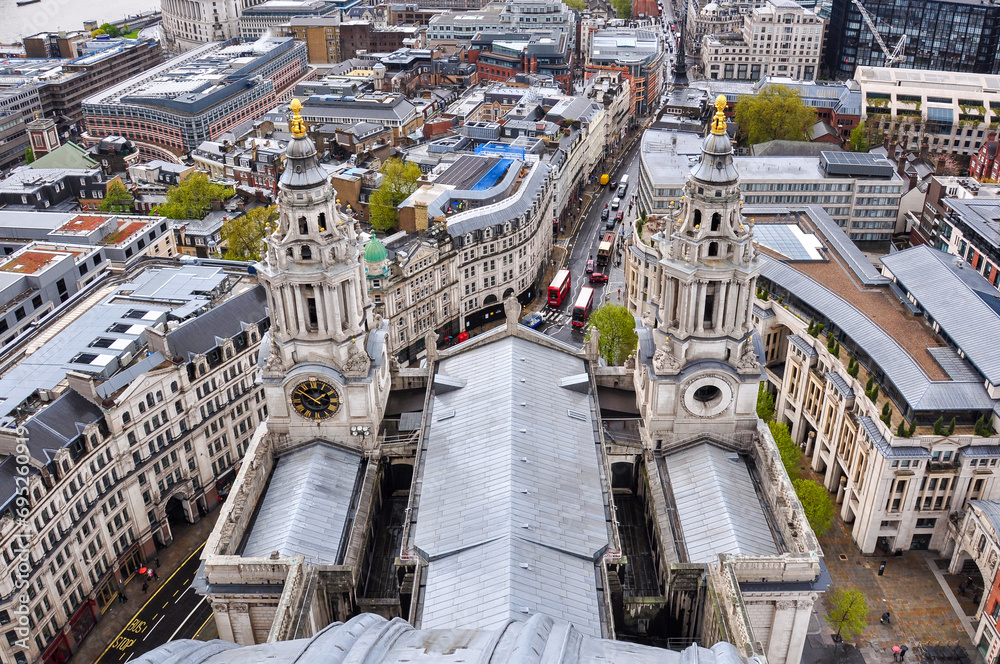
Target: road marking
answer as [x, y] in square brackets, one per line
[187, 618]
[210, 616]
[175, 592]
[202, 546]
[153, 627]
[130, 656]
[165, 604]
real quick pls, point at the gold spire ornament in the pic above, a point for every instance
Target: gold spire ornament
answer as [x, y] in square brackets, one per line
[297, 126]
[719, 121]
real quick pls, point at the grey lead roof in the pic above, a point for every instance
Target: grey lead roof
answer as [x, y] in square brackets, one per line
[841, 384]
[505, 210]
[802, 345]
[899, 367]
[304, 511]
[954, 301]
[201, 334]
[883, 446]
[717, 505]
[370, 638]
[511, 512]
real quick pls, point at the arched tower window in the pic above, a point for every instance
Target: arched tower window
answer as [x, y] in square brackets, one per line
[322, 222]
[697, 217]
[290, 253]
[716, 221]
[303, 226]
[307, 254]
[713, 248]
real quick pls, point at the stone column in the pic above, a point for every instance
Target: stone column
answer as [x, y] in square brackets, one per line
[222, 621]
[699, 308]
[335, 312]
[721, 291]
[300, 307]
[781, 629]
[800, 626]
[741, 316]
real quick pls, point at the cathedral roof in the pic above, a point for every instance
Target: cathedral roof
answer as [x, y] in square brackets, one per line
[302, 169]
[375, 251]
[716, 163]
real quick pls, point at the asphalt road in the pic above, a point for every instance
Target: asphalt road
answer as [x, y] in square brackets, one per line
[173, 611]
[583, 246]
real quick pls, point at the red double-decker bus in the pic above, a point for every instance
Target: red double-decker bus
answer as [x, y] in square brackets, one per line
[581, 309]
[559, 288]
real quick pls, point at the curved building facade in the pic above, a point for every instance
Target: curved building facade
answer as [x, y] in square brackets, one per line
[188, 24]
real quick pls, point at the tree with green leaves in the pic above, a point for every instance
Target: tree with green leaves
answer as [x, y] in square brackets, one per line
[578, 5]
[244, 235]
[29, 155]
[775, 113]
[859, 139]
[848, 613]
[765, 403]
[816, 504]
[616, 328]
[790, 453]
[117, 199]
[623, 8]
[192, 198]
[111, 30]
[399, 180]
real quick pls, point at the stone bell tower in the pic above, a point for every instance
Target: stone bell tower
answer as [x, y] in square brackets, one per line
[704, 374]
[325, 372]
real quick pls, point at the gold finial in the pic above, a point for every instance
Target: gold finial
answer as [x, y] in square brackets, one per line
[297, 126]
[719, 122]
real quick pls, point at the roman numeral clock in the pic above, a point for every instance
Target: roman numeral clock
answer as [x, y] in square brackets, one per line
[315, 400]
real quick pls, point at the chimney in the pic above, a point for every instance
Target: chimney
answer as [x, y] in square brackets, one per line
[991, 136]
[156, 340]
[420, 215]
[885, 141]
[891, 150]
[901, 164]
[84, 385]
[939, 168]
[924, 149]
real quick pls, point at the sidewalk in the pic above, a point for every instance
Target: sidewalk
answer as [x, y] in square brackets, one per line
[912, 589]
[187, 538]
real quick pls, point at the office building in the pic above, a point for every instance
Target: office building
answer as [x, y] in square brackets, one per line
[779, 38]
[13, 139]
[189, 24]
[943, 111]
[639, 54]
[120, 403]
[500, 56]
[261, 18]
[170, 109]
[393, 111]
[942, 35]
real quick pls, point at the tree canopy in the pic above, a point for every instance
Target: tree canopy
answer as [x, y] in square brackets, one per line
[399, 180]
[110, 30]
[816, 503]
[623, 8]
[847, 612]
[29, 155]
[578, 5]
[859, 139]
[776, 112]
[790, 452]
[616, 327]
[117, 199]
[244, 235]
[192, 198]
[765, 404]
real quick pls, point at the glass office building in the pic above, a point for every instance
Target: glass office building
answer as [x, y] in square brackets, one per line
[957, 35]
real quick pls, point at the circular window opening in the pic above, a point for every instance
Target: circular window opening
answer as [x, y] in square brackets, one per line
[707, 393]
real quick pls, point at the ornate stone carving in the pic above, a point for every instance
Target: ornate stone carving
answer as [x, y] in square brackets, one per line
[647, 318]
[275, 363]
[664, 362]
[630, 362]
[748, 363]
[239, 608]
[357, 364]
[784, 605]
[376, 320]
[393, 365]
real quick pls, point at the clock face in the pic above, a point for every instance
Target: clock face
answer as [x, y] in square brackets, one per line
[315, 400]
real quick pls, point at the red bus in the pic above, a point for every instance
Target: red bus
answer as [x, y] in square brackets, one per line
[559, 288]
[581, 310]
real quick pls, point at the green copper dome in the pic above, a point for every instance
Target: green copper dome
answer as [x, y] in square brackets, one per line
[375, 251]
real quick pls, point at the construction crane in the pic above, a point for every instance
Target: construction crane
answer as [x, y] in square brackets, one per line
[893, 56]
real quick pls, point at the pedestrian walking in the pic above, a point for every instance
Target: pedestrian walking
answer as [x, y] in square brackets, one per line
[885, 619]
[150, 574]
[122, 598]
[902, 652]
[895, 653]
[961, 589]
[145, 587]
[156, 561]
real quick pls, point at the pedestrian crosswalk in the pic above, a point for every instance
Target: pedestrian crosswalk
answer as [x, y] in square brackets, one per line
[554, 317]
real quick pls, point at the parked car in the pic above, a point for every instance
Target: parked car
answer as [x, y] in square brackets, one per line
[590, 266]
[598, 278]
[533, 320]
[616, 203]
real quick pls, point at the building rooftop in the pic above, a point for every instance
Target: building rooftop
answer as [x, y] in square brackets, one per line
[964, 84]
[305, 509]
[625, 46]
[83, 224]
[68, 155]
[982, 215]
[531, 523]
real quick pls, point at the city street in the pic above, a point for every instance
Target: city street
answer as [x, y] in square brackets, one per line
[173, 611]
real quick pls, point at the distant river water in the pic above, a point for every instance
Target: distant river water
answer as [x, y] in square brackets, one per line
[54, 15]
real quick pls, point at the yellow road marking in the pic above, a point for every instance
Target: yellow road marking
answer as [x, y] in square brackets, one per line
[210, 616]
[148, 601]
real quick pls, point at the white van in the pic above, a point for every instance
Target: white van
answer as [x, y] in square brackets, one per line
[623, 185]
